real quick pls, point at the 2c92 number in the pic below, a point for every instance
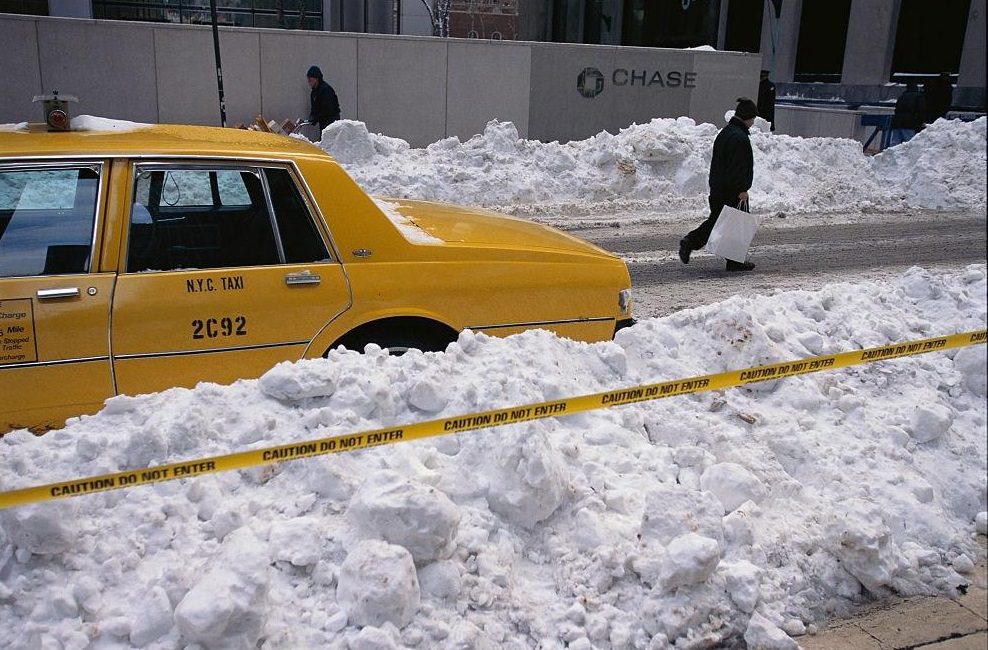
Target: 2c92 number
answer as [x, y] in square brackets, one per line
[210, 328]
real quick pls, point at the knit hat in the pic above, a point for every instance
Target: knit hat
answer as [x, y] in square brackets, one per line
[314, 71]
[746, 109]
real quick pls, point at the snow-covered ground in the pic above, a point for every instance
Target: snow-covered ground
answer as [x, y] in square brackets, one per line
[744, 516]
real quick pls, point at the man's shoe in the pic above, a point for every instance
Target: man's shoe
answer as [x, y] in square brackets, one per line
[739, 266]
[684, 250]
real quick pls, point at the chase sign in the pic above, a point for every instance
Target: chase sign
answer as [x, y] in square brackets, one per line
[590, 81]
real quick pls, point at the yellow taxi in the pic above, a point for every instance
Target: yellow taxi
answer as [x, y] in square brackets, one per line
[140, 259]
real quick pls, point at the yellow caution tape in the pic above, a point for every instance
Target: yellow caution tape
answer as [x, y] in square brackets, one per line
[479, 420]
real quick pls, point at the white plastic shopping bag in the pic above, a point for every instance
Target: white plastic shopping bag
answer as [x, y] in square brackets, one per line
[732, 234]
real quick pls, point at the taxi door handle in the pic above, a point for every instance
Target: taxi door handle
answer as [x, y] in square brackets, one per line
[304, 277]
[68, 292]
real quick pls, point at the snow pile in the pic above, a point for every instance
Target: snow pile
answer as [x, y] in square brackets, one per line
[698, 520]
[665, 163]
[943, 167]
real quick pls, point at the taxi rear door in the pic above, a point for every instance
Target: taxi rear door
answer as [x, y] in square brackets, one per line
[225, 273]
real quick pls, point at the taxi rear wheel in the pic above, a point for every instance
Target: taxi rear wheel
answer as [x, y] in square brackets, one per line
[398, 335]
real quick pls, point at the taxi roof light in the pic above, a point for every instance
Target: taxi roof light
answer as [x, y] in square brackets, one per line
[56, 109]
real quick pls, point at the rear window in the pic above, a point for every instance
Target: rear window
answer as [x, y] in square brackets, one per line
[195, 216]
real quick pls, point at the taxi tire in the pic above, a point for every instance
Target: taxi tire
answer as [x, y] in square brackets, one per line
[399, 335]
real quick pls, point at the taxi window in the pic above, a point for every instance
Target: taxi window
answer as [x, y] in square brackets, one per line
[300, 238]
[46, 220]
[199, 218]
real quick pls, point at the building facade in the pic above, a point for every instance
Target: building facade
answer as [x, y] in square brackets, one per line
[855, 51]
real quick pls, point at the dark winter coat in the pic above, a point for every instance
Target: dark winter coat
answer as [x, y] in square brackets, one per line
[732, 165]
[325, 107]
[910, 110]
[938, 94]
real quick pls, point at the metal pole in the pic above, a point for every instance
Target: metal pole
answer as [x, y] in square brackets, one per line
[219, 66]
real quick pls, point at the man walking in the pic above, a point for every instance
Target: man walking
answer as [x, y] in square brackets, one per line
[324, 105]
[731, 171]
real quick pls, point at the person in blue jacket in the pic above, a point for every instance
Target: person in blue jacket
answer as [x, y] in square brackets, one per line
[324, 105]
[732, 169]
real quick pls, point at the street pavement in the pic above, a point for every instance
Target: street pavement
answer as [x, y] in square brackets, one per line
[922, 622]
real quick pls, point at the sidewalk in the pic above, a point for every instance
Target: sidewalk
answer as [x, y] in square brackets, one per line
[927, 622]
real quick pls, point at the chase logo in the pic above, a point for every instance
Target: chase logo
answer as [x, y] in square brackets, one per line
[590, 83]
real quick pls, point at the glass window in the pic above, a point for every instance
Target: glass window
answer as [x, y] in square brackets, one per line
[929, 37]
[32, 7]
[669, 23]
[300, 238]
[822, 39]
[743, 32]
[46, 220]
[285, 14]
[198, 218]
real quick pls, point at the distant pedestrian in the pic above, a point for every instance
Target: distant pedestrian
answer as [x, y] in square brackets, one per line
[910, 115]
[939, 95]
[766, 99]
[732, 169]
[324, 105]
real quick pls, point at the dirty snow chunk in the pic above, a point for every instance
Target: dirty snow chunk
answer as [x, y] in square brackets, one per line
[930, 422]
[672, 510]
[428, 394]
[732, 484]
[972, 363]
[292, 382]
[763, 634]
[864, 543]
[689, 559]
[226, 607]
[407, 513]
[440, 579]
[298, 541]
[981, 523]
[372, 638]
[528, 477]
[15, 126]
[963, 564]
[922, 490]
[155, 619]
[741, 580]
[348, 141]
[40, 529]
[378, 585]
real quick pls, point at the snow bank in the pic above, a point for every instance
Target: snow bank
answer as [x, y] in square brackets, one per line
[702, 520]
[665, 164]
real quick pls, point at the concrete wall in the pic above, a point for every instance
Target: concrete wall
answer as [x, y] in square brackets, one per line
[420, 89]
[809, 122]
[971, 76]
